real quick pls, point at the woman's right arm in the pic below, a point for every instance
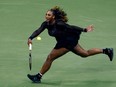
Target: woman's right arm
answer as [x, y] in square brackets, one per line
[37, 32]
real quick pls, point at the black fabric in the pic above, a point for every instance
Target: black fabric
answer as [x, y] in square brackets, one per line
[66, 35]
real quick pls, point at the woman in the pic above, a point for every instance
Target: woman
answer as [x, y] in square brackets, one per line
[67, 37]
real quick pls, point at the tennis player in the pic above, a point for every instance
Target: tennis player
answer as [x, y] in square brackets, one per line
[67, 37]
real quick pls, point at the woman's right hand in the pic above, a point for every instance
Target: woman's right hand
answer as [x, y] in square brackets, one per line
[29, 41]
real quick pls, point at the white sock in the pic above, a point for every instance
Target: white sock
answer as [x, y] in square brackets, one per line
[40, 74]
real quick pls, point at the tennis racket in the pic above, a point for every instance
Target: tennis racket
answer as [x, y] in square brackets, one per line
[30, 56]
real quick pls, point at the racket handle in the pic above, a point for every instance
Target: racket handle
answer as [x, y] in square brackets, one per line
[30, 46]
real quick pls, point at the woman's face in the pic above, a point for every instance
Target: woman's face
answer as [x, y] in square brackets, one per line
[49, 16]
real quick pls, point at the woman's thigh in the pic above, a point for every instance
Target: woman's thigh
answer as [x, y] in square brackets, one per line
[56, 53]
[80, 51]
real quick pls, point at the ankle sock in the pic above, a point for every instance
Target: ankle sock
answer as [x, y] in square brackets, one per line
[39, 74]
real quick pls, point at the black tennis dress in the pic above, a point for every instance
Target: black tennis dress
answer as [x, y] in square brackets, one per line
[66, 35]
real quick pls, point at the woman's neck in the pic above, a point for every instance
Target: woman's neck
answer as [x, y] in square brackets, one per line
[52, 22]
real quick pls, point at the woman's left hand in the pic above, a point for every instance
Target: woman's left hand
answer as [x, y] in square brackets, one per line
[89, 28]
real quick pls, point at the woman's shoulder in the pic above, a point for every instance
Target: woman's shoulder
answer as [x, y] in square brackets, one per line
[60, 22]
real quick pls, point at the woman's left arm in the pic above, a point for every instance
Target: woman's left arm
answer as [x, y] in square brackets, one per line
[70, 27]
[76, 28]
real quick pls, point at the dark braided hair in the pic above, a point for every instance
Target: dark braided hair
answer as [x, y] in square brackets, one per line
[59, 13]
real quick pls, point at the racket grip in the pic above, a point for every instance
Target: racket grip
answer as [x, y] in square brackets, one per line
[30, 46]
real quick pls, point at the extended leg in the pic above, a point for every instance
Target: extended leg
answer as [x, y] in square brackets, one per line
[85, 53]
[55, 53]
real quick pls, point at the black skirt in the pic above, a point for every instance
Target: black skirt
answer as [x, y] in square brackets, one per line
[68, 42]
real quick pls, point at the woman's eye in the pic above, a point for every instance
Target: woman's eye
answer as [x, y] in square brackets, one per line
[49, 15]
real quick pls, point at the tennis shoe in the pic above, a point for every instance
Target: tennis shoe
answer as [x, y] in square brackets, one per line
[35, 78]
[109, 52]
